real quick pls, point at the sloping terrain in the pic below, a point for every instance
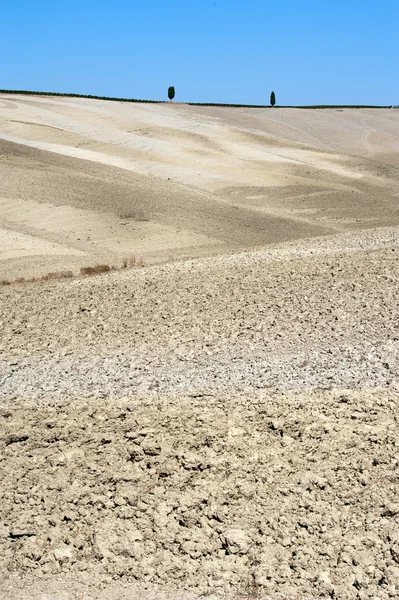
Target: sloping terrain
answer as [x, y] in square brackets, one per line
[312, 315]
[222, 428]
[219, 427]
[85, 181]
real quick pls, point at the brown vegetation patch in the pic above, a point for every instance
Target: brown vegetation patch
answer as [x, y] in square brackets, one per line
[99, 269]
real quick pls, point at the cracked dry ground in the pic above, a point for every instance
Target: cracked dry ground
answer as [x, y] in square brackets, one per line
[278, 481]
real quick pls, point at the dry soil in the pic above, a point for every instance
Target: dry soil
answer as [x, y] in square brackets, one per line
[219, 427]
[85, 181]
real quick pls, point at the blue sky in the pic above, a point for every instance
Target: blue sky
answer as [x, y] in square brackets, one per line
[308, 52]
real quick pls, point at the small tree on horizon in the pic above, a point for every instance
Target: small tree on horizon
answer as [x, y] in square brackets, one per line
[171, 92]
[272, 99]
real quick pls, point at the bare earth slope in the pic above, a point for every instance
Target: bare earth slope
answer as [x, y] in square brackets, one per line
[319, 314]
[220, 427]
[85, 181]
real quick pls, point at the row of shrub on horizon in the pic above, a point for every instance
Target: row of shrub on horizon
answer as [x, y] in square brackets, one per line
[112, 99]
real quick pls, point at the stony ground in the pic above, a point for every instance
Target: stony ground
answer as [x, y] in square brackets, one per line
[222, 428]
[319, 315]
[288, 494]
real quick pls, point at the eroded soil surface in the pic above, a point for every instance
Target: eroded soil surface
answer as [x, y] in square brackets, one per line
[286, 494]
[86, 181]
[319, 314]
[221, 427]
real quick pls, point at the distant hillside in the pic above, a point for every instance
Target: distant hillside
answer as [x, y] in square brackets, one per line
[114, 99]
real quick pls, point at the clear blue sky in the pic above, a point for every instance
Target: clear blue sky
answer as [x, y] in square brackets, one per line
[307, 51]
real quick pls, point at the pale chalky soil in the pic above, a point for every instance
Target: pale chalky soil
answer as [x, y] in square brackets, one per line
[266, 494]
[222, 428]
[290, 319]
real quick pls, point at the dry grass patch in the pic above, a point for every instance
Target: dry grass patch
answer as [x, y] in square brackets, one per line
[131, 262]
[98, 269]
[45, 277]
[56, 275]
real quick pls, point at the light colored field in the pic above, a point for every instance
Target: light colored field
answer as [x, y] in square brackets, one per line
[105, 180]
[222, 427]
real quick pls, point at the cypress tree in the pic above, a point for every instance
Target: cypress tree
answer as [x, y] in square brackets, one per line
[171, 92]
